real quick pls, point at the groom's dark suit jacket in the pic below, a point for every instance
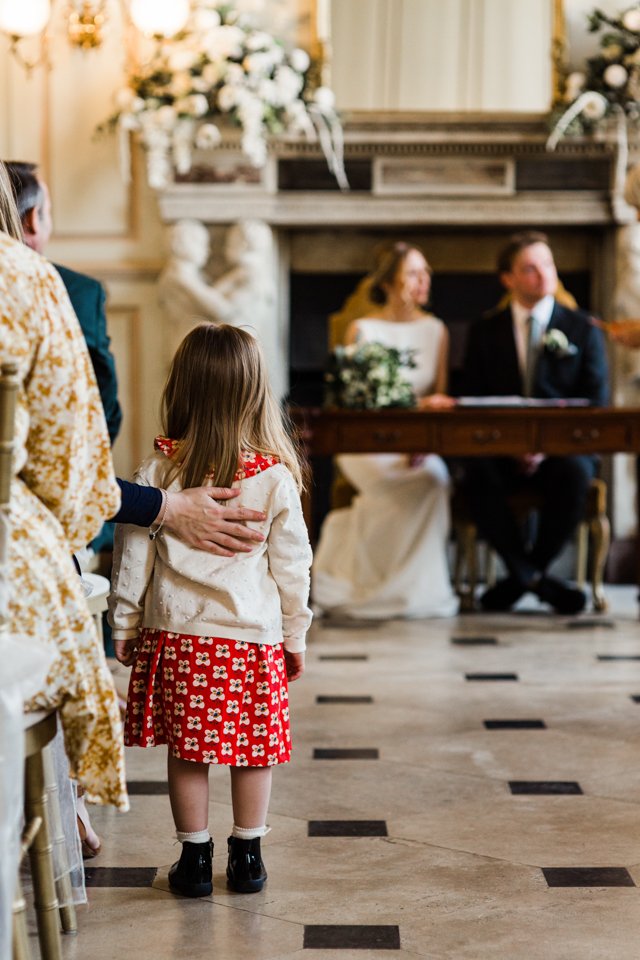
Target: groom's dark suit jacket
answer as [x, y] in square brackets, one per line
[491, 362]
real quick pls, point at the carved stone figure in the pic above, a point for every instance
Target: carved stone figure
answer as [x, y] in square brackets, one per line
[243, 295]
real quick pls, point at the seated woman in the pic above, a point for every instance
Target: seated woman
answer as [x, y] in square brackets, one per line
[385, 555]
[63, 490]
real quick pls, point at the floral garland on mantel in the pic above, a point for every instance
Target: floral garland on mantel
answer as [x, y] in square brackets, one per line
[223, 68]
[609, 86]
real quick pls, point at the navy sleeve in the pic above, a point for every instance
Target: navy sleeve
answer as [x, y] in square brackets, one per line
[140, 505]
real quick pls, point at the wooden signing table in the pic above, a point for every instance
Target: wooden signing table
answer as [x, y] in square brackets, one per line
[467, 431]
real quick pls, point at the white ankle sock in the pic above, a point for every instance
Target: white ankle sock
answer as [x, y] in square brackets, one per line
[199, 836]
[249, 833]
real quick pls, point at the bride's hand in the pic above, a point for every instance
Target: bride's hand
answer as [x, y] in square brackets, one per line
[436, 401]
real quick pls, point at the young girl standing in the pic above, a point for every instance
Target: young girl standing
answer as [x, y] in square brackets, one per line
[213, 640]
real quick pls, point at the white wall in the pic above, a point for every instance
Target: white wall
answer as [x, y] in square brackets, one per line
[435, 55]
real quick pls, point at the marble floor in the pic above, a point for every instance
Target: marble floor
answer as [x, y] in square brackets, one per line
[464, 789]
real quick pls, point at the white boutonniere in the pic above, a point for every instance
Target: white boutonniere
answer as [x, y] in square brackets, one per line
[557, 343]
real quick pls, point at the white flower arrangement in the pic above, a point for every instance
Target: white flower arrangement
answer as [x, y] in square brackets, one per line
[557, 343]
[610, 82]
[222, 67]
[368, 376]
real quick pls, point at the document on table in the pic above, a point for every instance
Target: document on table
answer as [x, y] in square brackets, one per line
[516, 401]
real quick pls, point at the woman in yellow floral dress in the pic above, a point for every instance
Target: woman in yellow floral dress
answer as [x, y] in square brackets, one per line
[64, 488]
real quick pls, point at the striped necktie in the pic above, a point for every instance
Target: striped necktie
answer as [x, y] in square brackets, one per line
[531, 359]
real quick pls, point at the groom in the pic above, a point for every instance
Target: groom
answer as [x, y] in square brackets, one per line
[534, 348]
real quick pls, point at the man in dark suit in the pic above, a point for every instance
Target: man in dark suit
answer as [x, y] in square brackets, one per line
[86, 294]
[533, 348]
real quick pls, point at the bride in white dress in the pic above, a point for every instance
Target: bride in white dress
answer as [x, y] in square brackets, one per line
[384, 556]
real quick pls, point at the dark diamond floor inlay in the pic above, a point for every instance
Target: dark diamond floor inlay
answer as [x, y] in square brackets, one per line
[348, 828]
[355, 753]
[147, 788]
[343, 656]
[339, 937]
[515, 725]
[611, 657]
[474, 641]
[120, 876]
[588, 877]
[583, 623]
[491, 676]
[550, 788]
[344, 699]
[635, 697]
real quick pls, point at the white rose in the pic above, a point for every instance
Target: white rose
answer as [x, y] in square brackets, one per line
[165, 117]
[257, 63]
[615, 76]
[574, 85]
[325, 98]
[631, 20]
[128, 122]
[595, 106]
[269, 93]
[181, 59]
[299, 60]
[208, 136]
[200, 85]
[289, 83]
[227, 98]
[181, 85]
[195, 106]
[124, 98]
[211, 74]
[204, 20]
[137, 104]
[258, 40]
[233, 73]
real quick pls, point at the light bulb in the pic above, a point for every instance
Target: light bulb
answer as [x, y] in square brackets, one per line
[24, 18]
[159, 18]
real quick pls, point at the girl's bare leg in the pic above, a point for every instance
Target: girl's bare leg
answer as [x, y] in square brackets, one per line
[250, 794]
[189, 794]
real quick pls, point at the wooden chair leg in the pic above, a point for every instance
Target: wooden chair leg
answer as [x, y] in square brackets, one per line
[601, 538]
[582, 551]
[20, 937]
[63, 884]
[466, 561]
[40, 855]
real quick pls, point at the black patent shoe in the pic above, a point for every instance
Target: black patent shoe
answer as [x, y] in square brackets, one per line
[245, 869]
[191, 875]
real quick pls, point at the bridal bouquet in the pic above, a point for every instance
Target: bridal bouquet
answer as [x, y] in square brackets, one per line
[222, 68]
[610, 81]
[368, 376]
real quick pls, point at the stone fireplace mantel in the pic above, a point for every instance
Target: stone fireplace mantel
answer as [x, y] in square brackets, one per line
[416, 170]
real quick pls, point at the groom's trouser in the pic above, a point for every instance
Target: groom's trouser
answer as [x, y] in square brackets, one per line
[561, 482]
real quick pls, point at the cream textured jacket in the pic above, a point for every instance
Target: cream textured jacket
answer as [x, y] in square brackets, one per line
[259, 597]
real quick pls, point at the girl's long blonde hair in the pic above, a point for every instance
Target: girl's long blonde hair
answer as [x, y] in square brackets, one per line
[217, 402]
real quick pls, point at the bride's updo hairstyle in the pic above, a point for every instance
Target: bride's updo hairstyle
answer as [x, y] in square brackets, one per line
[388, 265]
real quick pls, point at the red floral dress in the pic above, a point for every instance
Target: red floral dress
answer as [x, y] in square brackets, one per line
[212, 700]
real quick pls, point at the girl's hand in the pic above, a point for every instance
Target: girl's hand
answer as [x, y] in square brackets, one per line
[126, 650]
[294, 663]
[436, 401]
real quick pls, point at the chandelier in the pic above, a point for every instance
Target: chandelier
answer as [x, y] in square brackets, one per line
[85, 20]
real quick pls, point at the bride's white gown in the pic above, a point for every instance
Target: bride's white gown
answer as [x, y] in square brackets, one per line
[385, 555]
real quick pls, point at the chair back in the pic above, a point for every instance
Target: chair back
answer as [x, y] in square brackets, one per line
[8, 394]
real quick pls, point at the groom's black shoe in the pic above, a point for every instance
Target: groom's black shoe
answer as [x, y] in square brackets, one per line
[563, 598]
[503, 595]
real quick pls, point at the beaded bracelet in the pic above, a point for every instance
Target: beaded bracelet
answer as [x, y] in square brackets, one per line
[158, 523]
